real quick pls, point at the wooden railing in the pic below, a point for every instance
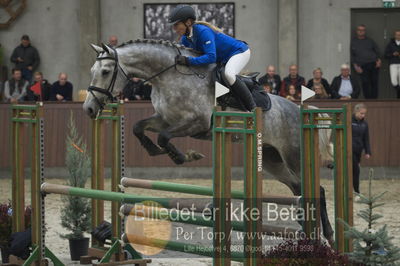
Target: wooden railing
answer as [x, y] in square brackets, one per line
[383, 119]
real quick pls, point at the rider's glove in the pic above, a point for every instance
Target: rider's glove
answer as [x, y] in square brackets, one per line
[182, 60]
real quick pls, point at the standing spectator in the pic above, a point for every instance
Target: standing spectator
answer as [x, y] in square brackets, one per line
[26, 58]
[293, 78]
[360, 135]
[318, 79]
[136, 90]
[113, 41]
[344, 86]
[272, 79]
[15, 88]
[40, 89]
[61, 90]
[392, 53]
[366, 62]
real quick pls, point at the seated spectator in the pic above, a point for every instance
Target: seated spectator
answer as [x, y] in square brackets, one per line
[272, 79]
[61, 90]
[136, 90]
[320, 92]
[344, 86]
[15, 88]
[291, 93]
[40, 89]
[26, 57]
[318, 79]
[267, 88]
[113, 41]
[293, 78]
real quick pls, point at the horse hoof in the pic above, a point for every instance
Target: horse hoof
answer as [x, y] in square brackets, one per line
[192, 155]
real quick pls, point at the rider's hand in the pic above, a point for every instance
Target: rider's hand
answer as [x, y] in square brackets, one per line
[181, 60]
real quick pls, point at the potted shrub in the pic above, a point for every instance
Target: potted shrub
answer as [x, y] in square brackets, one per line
[76, 212]
[6, 227]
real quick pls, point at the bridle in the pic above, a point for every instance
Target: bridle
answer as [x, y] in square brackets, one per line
[110, 89]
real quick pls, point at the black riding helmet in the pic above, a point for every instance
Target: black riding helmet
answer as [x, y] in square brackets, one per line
[181, 13]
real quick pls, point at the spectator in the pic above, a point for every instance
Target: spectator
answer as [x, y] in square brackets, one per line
[61, 90]
[318, 79]
[272, 79]
[40, 89]
[366, 62]
[360, 136]
[320, 92]
[392, 53]
[26, 58]
[113, 41]
[293, 78]
[136, 90]
[344, 86]
[15, 88]
[292, 93]
[267, 88]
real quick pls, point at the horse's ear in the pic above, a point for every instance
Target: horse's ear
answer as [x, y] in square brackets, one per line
[105, 48]
[96, 48]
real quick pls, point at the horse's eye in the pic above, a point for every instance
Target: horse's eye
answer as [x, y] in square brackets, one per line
[105, 72]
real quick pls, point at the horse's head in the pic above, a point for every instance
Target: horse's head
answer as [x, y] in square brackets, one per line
[105, 83]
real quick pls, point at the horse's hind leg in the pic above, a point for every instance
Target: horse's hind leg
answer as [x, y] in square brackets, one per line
[290, 176]
[154, 123]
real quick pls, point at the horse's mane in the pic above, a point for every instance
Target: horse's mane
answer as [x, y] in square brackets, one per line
[165, 43]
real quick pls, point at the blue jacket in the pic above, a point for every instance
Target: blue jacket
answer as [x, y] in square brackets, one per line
[215, 46]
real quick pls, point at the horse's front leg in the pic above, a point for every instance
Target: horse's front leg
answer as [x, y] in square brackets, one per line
[183, 130]
[153, 123]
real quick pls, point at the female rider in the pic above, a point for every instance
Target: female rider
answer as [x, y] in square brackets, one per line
[216, 47]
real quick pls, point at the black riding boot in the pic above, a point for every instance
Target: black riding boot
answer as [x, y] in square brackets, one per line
[240, 89]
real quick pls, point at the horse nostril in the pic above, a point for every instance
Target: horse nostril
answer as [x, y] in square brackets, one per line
[90, 112]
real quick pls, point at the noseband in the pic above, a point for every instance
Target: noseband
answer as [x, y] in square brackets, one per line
[110, 89]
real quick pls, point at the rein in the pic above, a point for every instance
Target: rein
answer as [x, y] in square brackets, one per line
[110, 89]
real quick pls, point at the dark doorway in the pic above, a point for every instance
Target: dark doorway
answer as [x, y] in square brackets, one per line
[381, 24]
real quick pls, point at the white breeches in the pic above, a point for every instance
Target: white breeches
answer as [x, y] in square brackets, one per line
[395, 74]
[235, 64]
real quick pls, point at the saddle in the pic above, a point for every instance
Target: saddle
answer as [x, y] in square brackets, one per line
[260, 97]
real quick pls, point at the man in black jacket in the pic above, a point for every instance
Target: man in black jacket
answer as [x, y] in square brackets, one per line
[360, 136]
[40, 90]
[344, 86]
[392, 53]
[62, 89]
[26, 58]
[136, 90]
[365, 58]
[292, 79]
[272, 79]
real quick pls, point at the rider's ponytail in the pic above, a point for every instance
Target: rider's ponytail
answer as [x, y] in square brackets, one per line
[205, 23]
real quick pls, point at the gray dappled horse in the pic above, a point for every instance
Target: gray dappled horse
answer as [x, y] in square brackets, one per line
[183, 100]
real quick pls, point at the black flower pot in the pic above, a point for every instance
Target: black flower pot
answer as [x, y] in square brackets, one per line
[5, 255]
[78, 248]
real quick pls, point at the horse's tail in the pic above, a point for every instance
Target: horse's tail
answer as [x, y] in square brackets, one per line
[326, 145]
[325, 142]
